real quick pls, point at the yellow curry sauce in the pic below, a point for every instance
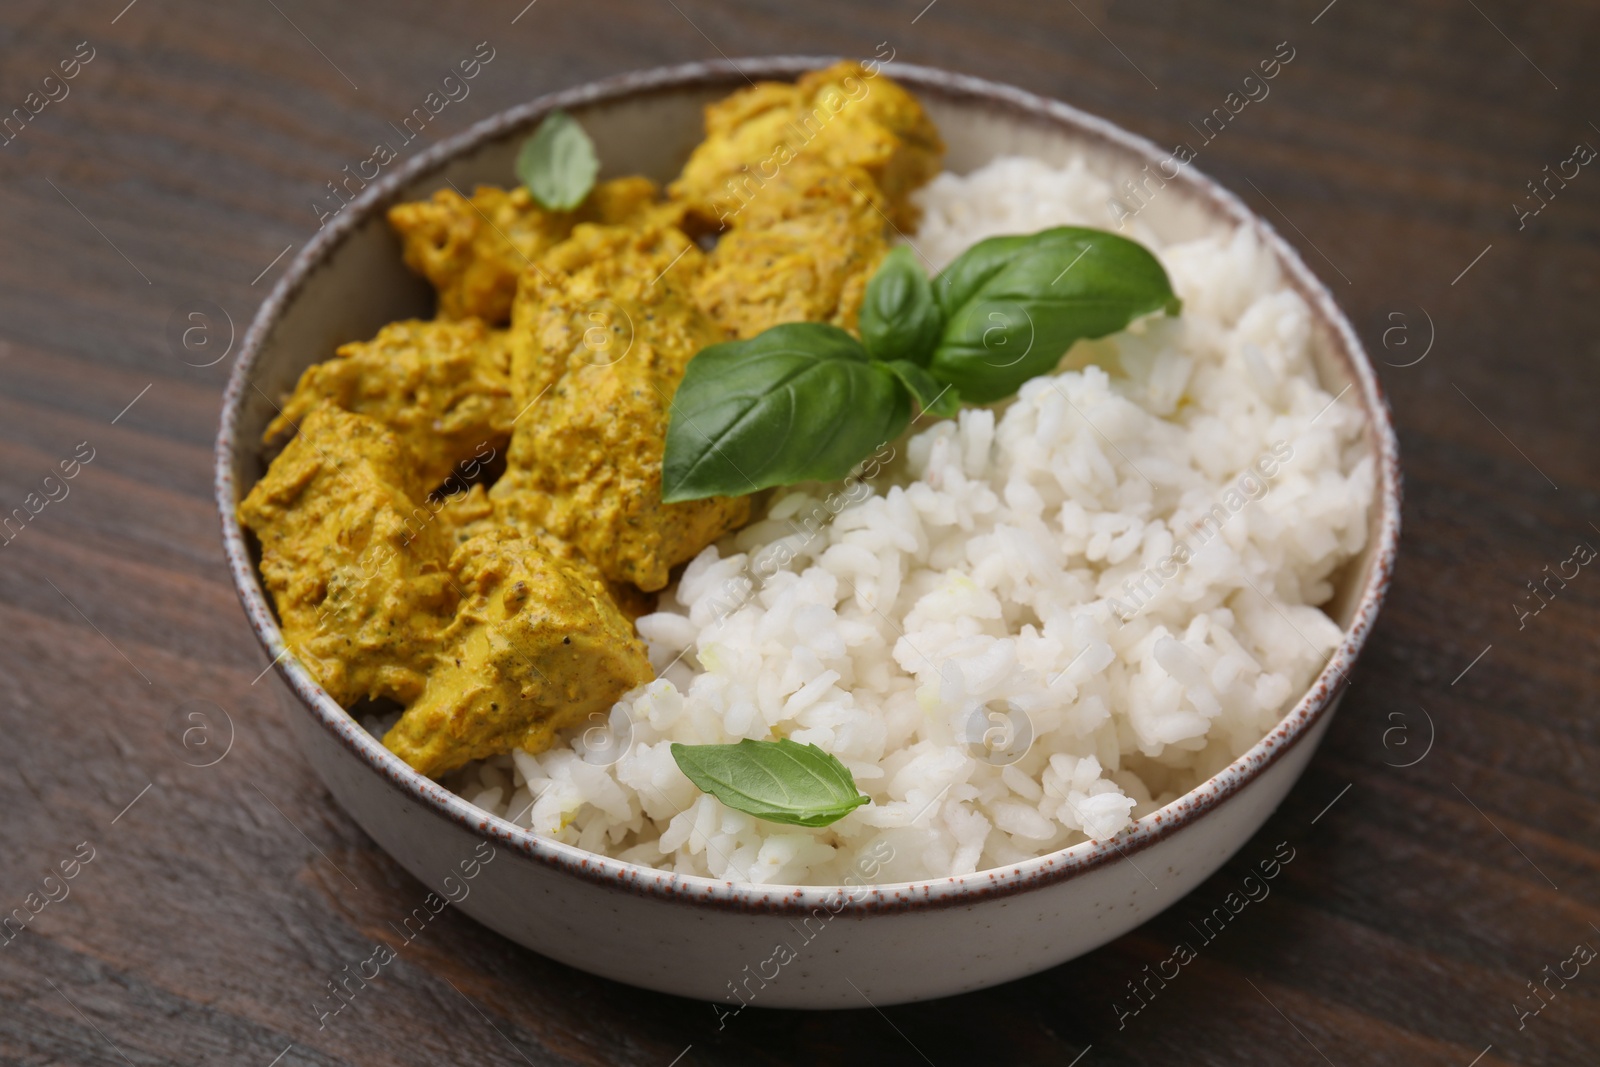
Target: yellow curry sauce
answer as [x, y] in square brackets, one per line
[506, 616]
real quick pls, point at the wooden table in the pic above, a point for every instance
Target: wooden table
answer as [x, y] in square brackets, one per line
[1431, 885]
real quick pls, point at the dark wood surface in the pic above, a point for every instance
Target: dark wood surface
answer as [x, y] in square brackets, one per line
[1391, 150]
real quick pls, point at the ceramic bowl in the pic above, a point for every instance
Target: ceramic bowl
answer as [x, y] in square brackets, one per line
[719, 940]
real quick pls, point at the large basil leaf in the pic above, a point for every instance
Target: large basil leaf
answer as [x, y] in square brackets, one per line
[1014, 305]
[779, 781]
[798, 402]
[558, 163]
[900, 319]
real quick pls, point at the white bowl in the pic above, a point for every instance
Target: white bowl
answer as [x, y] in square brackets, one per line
[719, 940]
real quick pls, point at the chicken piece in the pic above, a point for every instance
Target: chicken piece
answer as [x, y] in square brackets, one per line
[601, 335]
[808, 179]
[442, 387]
[352, 557]
[575, 305]
[474, 250]
[472, 515]
[536, 647]
[843, 117]
[802, 252]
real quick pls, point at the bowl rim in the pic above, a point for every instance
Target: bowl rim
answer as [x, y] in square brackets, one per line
[956, 890]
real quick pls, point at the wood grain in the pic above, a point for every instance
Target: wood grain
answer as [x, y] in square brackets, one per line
[216, 908]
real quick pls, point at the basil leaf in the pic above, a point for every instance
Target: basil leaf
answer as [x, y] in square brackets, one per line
[1014, 305]
[934, 399]
[779, 781]
[558, 163]
[798, 402]
[900, 319]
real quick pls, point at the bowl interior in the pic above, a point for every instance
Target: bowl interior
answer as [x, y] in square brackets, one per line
[350, 282]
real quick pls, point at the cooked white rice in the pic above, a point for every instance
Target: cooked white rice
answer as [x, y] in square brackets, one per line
[995, 560]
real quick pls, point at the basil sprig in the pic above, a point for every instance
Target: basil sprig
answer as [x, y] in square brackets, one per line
[779, 781]
[806, 401]
[558, 163]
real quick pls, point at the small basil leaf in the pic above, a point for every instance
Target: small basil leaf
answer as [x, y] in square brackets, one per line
[934, 399]
[900, 319]
[779, 781]
[1014, 305]
[558, 163]
[798, 402]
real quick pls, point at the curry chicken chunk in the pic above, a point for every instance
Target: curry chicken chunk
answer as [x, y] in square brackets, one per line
[537, 647]
[843, 118]
[808, 181]
[802, 252]
[601, 335]
[444, 387]
[474, 250]
[354, 565]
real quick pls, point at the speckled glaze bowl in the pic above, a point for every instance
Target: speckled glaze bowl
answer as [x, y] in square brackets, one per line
[718, 940]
